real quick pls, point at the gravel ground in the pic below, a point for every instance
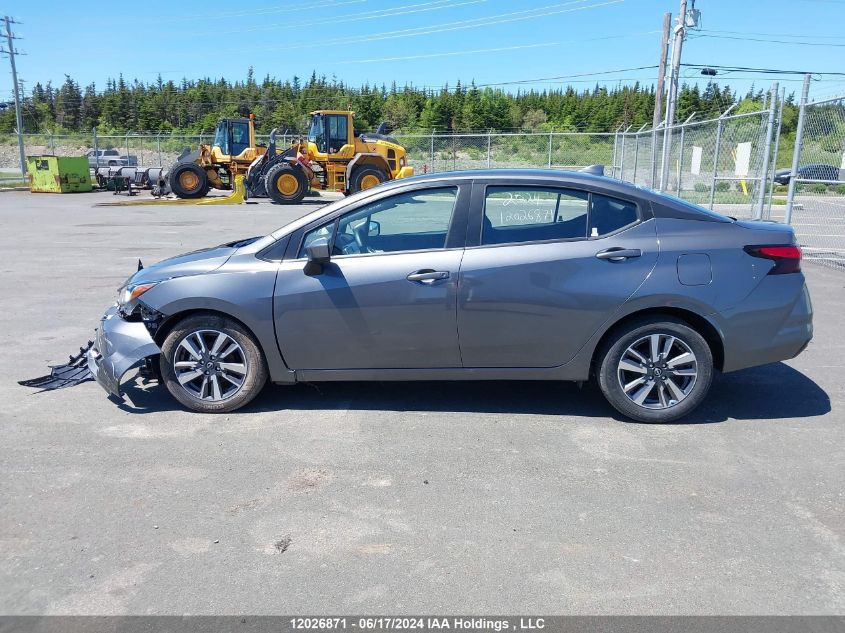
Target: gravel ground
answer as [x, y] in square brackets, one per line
[392, 498]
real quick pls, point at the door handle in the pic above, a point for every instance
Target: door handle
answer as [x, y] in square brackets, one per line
[428, 276]
[619, 254]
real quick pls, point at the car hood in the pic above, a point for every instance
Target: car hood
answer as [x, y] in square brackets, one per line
[197, 262]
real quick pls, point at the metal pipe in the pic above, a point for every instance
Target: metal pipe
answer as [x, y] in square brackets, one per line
[719, 123]
[796, 155]
[96, 148]
[488, 148]
[771, 177]
[637, 151]
[767, 148]
[681, 153]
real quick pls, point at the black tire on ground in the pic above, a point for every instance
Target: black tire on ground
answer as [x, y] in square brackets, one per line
[188, 180]
[364, 178]
[211, 325]
[286, 184]
[610, 378]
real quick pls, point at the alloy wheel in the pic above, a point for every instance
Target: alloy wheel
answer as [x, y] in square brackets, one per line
[210, 365]
[657, 371]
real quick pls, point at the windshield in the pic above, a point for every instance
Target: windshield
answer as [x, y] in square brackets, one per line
[221, 139]
[316, 134]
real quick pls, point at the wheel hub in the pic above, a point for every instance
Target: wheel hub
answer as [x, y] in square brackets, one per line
[657, 371]
[210, 365]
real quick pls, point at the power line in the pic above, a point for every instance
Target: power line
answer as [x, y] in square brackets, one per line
[504, 18]
[765, 71]
[376, 14]
[789, 35]
[770, 41]
[490, 50]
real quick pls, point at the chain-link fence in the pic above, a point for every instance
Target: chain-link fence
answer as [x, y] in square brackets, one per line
[816, 205]
[562, 150]
[718, 163]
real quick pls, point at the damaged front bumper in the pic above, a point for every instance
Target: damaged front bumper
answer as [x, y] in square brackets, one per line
[119, 346]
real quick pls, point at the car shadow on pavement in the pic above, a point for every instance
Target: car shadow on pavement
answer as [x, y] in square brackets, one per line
[770, 392]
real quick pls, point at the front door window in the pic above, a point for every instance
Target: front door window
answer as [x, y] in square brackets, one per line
[412, 221]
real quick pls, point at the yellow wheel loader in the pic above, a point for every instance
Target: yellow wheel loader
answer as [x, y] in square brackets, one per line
[215, 166]
[332, 157]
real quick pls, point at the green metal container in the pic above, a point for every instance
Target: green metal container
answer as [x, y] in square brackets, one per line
[58, 174]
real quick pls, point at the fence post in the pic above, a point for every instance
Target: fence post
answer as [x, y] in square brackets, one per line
[126, 140]
[796, 155]
[431, 155]
[767, 148]
[550, 149]
[622, 153]
[715, 162]
[488, 147]
[716, 154]
[637, 152]
[158, 148]
[615, 151]
[96, 148]
[52, 143]
[681, 153]
[774, 161]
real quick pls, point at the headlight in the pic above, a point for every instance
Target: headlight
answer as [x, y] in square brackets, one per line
[130, 292]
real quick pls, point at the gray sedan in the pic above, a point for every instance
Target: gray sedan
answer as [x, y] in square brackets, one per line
[486, 275]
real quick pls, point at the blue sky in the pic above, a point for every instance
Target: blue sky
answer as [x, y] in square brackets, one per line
[424, 42]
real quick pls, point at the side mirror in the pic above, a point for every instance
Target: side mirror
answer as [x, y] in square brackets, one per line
[319, 251]
[373, 229]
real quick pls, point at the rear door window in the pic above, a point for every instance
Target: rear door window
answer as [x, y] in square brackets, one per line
[532, 214]
[608, 215]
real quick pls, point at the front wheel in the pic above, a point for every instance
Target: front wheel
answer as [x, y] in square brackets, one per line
[286, 184]
[211, 364]
[655, 370]
[188, 180]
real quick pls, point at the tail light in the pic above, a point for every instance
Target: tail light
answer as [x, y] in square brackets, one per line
[787, 258]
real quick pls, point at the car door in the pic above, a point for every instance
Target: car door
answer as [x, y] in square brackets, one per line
[544, 267]
[388, 296]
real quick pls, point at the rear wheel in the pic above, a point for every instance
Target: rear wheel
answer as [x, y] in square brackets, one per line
[211, 364]
[188, 180]
[366, 177]
[655, 370]
[286, 184]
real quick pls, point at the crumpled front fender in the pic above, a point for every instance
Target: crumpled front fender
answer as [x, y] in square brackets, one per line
[118, 346]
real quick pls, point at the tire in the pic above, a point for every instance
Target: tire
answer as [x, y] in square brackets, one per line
[365, 177]
[668, 392]
[188, 180]
[238, 378]
[286, 184]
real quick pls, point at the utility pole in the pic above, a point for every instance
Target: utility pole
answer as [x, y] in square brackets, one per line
[11, 52]
[672, 98]
[658, 96]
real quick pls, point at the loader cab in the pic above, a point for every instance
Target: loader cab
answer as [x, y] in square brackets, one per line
[234, 136]
[331, 132]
